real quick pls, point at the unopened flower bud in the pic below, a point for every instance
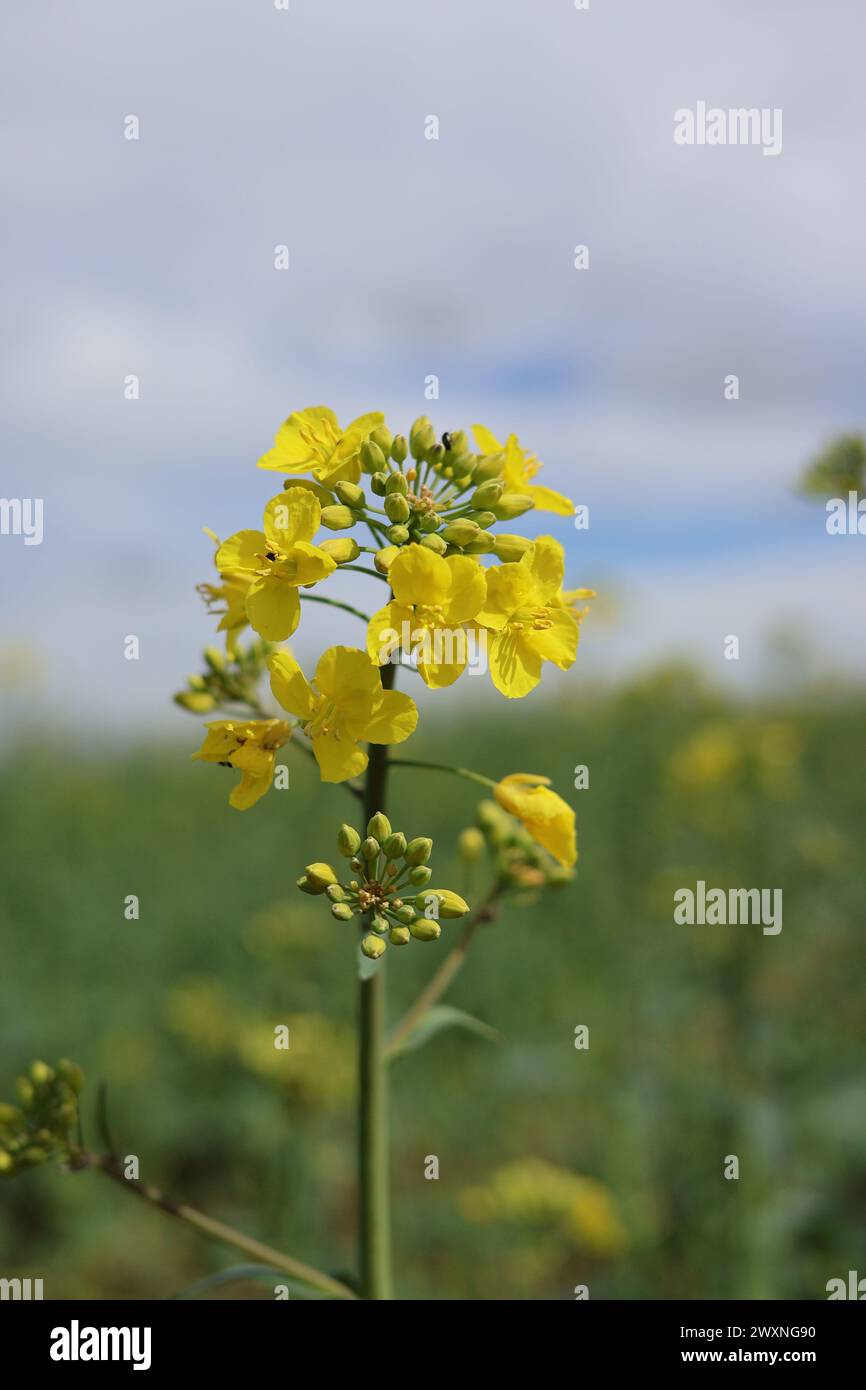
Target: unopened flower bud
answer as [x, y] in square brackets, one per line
[372, 458]
[434, 543]
[336, 892]
[342, 912]
[370, 848]
[71, 1074]
[41, 1073]
[450, 904]
[396, 507]
[429, 522]
[483, 519]
[350, 494]
[348, 841]
[418, 851]
[338, 518]
[342, 550]
[399, 448]
[458, 442]
[196, 701]
[493, 466]
[383, 437]
[384, 558]
[215, 659]
[421, 437]
[379, 826]
[396, 483]
[397, 535]
[378, 483]
[437, 456]
[373, 946]
[399, 936]
[394, 846]
[425, 929]
[510, 549]
[487, 493]
[405, 915]
[24, 1091]
[320, 876]
[7, 1162]
[460, 532]
[470, 844]
[420, 875]
[379, 923]
[512, 505]
[482, 545]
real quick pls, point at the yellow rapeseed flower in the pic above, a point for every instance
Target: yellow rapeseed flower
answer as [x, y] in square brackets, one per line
[276, 561]
[344, 704]
[520, 469]
[525, 612]
[311, 441]
[433, 598]
[250, 746]
[549, 819]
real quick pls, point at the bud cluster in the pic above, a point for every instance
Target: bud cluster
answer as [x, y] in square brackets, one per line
[519, 862]
[44, 1123]
[435, 493]
[228, 678]
[388, 886]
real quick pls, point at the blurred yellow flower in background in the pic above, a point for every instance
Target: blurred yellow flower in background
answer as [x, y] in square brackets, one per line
[549, 819]
[532, 1192]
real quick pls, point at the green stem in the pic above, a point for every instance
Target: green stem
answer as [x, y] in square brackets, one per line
[446, 767]
[215, 1230]
[359, 569]
[337, 603]
[375, 1216]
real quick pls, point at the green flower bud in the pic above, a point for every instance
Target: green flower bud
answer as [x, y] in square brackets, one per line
[41, 1073]
[350, 494]
[429, 522]
[399, 448]
[421, 437]
[71, 1074]
[418, 851]
[373, 946]
[483, 519]
[336, 892]
[460, 532]
[397, 535]
[196, 701]
[458, 442]
[348, 841]
[434, 543]
[321, 876]
[379, 826]
[399, 936]
[512, 505]
[338, 518]
[491, 467]
[437, 456]
[470, 844]
[379, 923]
[306, 886]
[394, 846]
[379, 482]
[370, 848]
[405, 915]
[397, 509]
[482, 545]
[372, 458]
[425, 929]
[343, 550]
[215, 659]
[396, 483]
[7, 1162]
[510, 549]
[384, 558]
[488, 493]
[342, 912]
[420, 875]
[383, 437]
[451, 905]
[24, 1091]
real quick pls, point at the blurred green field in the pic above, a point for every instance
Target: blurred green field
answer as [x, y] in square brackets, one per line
[704, 1041]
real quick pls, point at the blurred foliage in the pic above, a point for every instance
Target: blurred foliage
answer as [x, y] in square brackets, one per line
[558, 1166]
[838, 469]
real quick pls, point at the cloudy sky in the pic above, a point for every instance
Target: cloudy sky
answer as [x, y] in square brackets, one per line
[411, 257]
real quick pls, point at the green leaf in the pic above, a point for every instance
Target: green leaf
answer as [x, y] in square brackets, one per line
[238, 1274]
[438, 1018]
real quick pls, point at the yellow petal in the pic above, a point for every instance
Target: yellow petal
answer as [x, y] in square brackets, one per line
[508, 588]
[439, 677]
[273, 608]
[242, 553]
[249, 790]
[394, 720]
[293, 450]
[418, 576]
[311, 563]
[549, 819]
[290, 686]
[546, 500]
[557, 643]
[515, 668]
[545, 561]
[487, 443]
[338, 758]
[220, 740]
[294, 515]
[385, 632]
[468, 589]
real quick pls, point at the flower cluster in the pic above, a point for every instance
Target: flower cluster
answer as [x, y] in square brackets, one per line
[518, 860]
[389, 886]
[44, 1123]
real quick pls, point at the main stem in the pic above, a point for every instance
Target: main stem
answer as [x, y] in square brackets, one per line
[374, 1204]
